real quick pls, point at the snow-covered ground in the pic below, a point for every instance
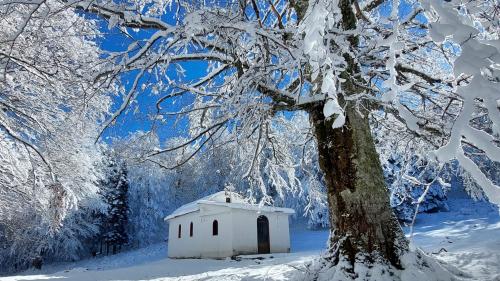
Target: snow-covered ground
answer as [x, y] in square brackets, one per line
[467, 237]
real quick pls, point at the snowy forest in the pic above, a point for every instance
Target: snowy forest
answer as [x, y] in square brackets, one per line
[366, 117]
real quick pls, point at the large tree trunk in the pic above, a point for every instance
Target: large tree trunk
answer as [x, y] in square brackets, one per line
[363, 224]
[362, 221]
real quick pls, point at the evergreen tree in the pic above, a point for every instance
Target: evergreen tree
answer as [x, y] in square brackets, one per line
[114, 223]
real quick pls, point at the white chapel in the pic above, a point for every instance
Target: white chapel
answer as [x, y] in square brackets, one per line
[224, 225]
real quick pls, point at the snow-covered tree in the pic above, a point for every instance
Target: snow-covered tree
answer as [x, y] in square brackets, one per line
[338, 60]
[114, 189]
[155, 192]
[49, 105]
[407, 183]
[50, 110]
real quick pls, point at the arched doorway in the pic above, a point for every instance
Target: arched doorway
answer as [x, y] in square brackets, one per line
[263, 243]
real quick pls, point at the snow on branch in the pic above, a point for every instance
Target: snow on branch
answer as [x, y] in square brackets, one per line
[478, 52]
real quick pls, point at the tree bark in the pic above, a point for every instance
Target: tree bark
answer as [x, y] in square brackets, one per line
[361, 218]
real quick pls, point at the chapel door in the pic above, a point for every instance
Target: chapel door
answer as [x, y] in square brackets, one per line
[263, 235]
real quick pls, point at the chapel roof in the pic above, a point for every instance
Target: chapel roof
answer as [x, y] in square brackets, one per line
[219, 199]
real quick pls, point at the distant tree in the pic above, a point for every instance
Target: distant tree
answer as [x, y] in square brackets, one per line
[406, 182]
[115, 187]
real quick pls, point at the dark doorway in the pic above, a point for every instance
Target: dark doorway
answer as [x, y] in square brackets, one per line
[263, 235]
[215, 228]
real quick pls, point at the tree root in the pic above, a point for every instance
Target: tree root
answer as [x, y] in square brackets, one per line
[417, 266]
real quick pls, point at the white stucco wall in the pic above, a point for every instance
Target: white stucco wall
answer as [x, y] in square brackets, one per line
[237, 233]
[202, 243]
[279, 233]
[245, 232]
[185, 246]
[215, 246]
